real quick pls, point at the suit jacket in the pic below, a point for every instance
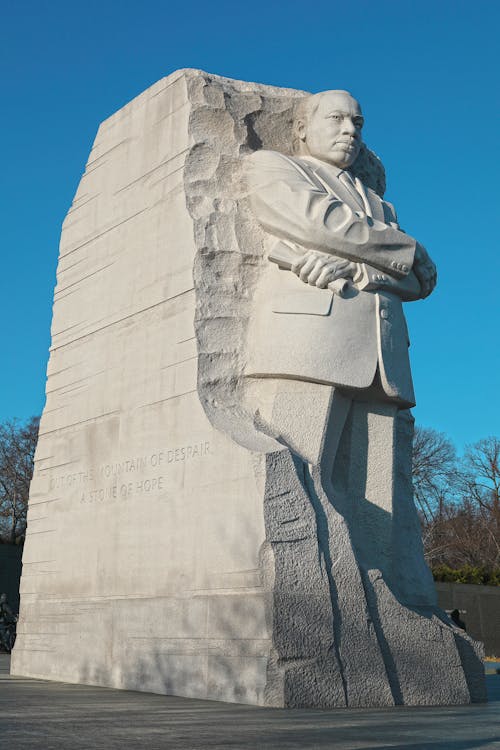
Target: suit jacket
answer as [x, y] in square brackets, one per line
[302, 332]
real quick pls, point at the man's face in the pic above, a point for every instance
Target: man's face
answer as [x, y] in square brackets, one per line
[333, 131]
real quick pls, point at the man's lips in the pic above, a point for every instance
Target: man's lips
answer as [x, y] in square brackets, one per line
[349, 145]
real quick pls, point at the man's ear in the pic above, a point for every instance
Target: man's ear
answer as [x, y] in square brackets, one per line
[300, 129]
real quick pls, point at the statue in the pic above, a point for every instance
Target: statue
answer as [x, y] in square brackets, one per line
[330, 228]
[248, 383]
[328, 377]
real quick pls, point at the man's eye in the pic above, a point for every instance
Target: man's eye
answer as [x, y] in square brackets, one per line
[337, 118]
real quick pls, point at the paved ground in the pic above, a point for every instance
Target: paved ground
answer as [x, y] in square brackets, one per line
[54, 716]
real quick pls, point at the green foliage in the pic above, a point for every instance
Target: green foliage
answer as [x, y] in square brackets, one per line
[479, 575]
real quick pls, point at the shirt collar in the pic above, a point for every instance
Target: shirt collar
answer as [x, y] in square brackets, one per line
[336, 171]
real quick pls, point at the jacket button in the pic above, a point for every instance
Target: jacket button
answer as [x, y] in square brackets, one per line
[384, 314]
[404, 268]
[394, 264]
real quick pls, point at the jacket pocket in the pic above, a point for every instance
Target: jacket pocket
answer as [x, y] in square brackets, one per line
[309, 301]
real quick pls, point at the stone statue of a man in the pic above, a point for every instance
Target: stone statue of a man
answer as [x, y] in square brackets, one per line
[328, 343]
[329, 226]
[327, 378]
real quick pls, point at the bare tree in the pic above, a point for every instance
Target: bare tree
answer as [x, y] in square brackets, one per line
[17, 449]
[434, 471]
[481, 474]
[458, 500]
[458, 538]
[480, 485]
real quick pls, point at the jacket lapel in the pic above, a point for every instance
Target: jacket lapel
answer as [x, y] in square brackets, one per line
[328, 177]
[376, 204]
[361, 190]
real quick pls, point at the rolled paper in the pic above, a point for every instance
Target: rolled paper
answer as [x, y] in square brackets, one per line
[285, 257]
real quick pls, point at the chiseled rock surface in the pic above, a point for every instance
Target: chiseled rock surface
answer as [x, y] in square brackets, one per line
[173, 545]
[142, 563]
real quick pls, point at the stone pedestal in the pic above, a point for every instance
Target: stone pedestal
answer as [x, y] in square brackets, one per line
[172, 545]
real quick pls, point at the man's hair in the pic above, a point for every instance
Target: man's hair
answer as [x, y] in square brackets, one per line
[305, 109]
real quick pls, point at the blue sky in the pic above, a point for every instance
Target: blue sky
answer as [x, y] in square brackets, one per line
[426, 74]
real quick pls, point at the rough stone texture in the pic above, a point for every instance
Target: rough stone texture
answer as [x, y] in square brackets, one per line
[230, 119]
[353, 604]
[142, 562]
[174, 545]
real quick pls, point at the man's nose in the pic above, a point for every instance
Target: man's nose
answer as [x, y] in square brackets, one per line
[349, 128]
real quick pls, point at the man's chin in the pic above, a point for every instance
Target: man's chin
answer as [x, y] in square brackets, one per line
[343, 159]
[350, 158]
[340, 158]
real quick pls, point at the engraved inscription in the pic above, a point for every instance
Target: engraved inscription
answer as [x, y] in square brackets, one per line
[131, 477]
[123, 490]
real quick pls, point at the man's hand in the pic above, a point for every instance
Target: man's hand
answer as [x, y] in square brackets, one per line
[424, 270]
[319, 269]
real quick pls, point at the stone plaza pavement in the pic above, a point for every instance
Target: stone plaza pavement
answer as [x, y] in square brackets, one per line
[57, 716]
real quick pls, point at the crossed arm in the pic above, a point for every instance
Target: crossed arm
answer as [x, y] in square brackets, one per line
[290, 206]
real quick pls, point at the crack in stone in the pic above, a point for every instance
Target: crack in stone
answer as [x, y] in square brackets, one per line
[324, 550]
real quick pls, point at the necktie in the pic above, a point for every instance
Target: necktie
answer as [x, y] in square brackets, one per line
[349, 183]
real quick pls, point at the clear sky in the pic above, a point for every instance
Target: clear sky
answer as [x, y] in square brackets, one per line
[426, 74]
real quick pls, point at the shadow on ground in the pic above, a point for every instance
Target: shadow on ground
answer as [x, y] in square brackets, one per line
[57, 716]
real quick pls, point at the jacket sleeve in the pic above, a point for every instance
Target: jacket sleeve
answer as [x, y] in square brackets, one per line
[289, 205]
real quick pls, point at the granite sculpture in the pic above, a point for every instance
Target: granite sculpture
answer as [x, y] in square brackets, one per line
[222, 503]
